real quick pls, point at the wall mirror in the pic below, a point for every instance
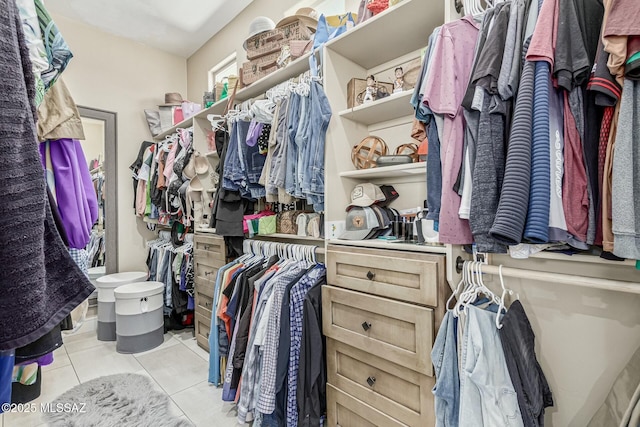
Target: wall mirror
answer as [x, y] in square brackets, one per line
[100, 150]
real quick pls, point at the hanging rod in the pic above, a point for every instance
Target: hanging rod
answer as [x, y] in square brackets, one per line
[559, 278]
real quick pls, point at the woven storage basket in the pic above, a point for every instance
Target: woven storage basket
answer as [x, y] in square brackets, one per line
[272, 41]
[365, 154]
[410, 149]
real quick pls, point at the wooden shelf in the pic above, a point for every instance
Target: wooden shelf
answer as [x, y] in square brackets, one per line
[394, 106]
[294, 69]
[398, 171]
[382, 244]
[182, 125]
[391, 34]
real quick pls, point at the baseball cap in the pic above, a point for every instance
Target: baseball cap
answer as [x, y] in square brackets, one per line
[364, 195]
[390, 194]
[359, 224]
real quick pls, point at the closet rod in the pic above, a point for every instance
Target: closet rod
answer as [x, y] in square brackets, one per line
[559, 278]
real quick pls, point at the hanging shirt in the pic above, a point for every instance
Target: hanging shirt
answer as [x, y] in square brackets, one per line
[446, 84]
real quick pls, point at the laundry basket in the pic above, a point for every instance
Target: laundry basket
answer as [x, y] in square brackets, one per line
[139, 316]
[107, 302]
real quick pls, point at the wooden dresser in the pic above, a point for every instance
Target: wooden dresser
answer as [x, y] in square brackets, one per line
[381, 311]
[209, 255]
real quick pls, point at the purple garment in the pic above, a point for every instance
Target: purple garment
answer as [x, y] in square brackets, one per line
[77, 200]
[45, 360]
[255, 129]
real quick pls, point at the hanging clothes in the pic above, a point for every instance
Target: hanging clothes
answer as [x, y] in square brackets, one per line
[45, 267]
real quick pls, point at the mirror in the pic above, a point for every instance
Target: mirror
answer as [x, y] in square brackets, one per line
[100, 151]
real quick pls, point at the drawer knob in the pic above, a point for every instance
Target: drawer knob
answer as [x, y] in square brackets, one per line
[207, 304]
[371, 381]
[207, 335]
[366, 326]
[371, 275]
[208, 273]
[206, 247]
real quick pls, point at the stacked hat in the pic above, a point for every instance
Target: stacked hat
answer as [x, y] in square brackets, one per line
[367, 217]
[307, 15]
[259, 25]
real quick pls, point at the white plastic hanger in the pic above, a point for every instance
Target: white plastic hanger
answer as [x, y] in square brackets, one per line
[501, 307]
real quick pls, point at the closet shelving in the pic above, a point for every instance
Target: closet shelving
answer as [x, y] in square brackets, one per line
[392, 107]
[392, 38]
[387, 172]
[382, 244]
[281, 236]
[182, 125]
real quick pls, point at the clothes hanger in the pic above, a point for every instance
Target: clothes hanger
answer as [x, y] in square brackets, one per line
[468, 288]
[501, 307]
[463, 281]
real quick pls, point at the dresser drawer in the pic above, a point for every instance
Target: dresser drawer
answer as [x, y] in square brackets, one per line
[205, 271]
[396, 331]
[213, 244]
[346, 411]
[403, 275]
[203, 329]
[397, 391]
[204, 298]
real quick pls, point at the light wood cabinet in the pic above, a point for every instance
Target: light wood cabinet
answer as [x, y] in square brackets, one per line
[343, 410]
[209, 255]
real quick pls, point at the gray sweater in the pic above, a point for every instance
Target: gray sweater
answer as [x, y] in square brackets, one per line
[626, 180]
[39, 282]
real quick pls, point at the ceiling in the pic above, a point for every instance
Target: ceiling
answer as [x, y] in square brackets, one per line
[178, 27]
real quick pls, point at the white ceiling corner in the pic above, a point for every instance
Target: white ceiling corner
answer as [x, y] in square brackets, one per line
[178, 27]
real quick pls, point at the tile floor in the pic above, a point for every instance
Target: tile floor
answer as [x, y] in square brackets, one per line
[178, 367]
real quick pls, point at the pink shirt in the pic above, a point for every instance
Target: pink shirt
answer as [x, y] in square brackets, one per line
[543, 41]
[447, 81]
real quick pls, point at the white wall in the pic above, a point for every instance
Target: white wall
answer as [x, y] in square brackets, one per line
[119, 75]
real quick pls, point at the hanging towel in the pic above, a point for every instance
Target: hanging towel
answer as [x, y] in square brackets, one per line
[40, 284]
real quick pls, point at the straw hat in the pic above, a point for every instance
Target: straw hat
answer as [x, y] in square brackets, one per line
[307, 15]
[259, 25]
[172, 99]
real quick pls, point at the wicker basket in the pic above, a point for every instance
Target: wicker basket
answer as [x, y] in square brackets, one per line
[271, 41]
[365, 154]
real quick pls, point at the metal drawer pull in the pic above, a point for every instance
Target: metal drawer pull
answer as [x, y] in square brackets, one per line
[208, 273]
[371, 381]
[206, 247]
[207, 335]
[371, 275]
[366, 326]
[207, 304]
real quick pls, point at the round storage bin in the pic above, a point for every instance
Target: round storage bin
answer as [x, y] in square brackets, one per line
[139, 316]
[107, 302]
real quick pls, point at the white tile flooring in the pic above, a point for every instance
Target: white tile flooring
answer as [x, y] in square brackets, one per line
[178, 367]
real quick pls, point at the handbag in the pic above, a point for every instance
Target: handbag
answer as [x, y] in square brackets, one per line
[325, 32]
[190, 109]
[267, 225]
[153, 120]
[287, 222]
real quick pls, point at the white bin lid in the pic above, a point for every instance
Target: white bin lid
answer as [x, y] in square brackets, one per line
[119, 279]
[96, 272]
[139, 290]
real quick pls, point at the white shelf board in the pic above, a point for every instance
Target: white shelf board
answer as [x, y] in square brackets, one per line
[399, 30]
[217, 108]
[294, 69]
[282, 236]
[393, 107]
[590, 259]
[205, 230]
[397, 171]
[183, 124]
[381, 244]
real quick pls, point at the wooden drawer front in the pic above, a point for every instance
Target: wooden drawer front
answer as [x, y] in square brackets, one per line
[205, 271]
[204, 299]
[399, 275]
[399, 332]
[346, 411]
[212, 244]
[395, 390]
[203, 329]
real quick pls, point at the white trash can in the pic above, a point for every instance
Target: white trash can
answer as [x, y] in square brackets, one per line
[107, 301]
[139, 316]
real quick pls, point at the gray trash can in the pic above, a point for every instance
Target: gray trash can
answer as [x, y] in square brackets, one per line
[107, 302]
[139, 316]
